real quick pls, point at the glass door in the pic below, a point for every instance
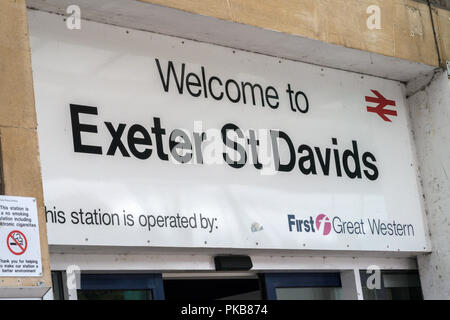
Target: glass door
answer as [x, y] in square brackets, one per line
[394, 285]
[121, 287]
[303, 286]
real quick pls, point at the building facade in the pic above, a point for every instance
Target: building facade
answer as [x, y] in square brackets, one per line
[227, 149]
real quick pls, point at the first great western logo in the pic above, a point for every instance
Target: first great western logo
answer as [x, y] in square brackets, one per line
[323, 225]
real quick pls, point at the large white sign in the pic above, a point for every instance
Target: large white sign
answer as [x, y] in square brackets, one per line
[149, 140]
[20, 245]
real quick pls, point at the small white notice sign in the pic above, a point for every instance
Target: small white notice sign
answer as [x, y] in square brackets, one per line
[20, 246]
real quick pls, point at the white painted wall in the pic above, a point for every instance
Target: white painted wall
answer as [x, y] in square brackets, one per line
[429, 103]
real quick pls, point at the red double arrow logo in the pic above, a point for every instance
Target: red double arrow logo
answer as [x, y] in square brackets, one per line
[380, 108]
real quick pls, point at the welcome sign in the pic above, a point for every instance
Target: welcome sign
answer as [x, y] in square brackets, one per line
[149, 140]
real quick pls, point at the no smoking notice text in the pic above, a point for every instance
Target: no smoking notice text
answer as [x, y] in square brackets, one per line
[20, 247]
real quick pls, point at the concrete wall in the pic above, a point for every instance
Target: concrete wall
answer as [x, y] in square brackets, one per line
[406, 30]
[429, 104]
[18, 136]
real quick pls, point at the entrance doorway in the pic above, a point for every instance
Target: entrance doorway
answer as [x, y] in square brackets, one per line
[205, 286]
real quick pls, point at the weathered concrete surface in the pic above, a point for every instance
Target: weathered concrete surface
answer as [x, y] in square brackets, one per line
[155, 18]
[429, 105]
[406, 30]
[19, 144]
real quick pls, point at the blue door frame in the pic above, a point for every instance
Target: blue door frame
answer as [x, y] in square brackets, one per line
[296, 280]
[124, 282]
